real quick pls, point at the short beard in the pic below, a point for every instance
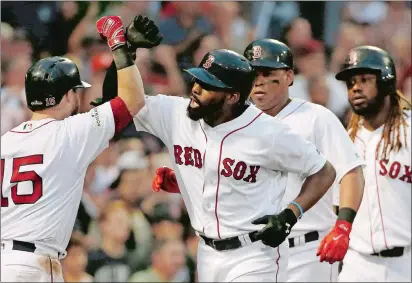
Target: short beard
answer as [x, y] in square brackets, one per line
[203, 111]
[373, 107]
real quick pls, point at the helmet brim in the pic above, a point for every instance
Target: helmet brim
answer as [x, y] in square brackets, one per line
[207, 78]
[83, 85]
[345, 74]
[264, 63]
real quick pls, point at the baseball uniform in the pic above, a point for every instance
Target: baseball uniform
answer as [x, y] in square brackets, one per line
[43, 165]
[321, 127]
[230, 175]
[380, 246]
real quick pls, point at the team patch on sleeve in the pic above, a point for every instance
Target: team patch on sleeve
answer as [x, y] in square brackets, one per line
[96, 117]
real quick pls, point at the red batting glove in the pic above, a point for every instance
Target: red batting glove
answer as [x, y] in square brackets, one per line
[165, 179]
[335, 245]
[111, 28]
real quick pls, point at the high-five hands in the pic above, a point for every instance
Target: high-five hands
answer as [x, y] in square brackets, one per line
[142, 33]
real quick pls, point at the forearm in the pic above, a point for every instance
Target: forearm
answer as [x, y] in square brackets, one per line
[129, 81]
[314, 187]
[351, 189]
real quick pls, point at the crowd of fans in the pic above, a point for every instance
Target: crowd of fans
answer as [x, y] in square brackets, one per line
[124, 231]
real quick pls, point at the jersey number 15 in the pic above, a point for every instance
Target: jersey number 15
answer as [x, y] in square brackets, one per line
[23, 176]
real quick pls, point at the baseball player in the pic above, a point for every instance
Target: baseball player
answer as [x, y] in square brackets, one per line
[380, 127]
[231, 162]
[273, 63]
[44, 160]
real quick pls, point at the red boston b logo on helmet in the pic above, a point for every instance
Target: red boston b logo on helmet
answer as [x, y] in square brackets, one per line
[208, 62]
[257, 52]
[353, 58]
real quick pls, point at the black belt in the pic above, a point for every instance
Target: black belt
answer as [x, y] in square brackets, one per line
[309, 237]
[394, 252]
[228, 243]
[23, 246]
[26, 247]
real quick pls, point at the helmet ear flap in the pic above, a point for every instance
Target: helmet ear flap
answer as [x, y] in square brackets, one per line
[386, 88]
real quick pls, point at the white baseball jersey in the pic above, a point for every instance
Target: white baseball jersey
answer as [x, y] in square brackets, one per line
[43, 165]
[384, 217]
[322, 128]
[231, 174]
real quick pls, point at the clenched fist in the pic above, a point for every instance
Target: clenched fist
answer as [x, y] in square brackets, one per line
[335, 245]
[277, 227]
[143, 33]
[165, 179]
[111, 29]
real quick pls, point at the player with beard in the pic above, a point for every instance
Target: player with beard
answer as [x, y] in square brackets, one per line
[273, 63]
[380, 127]
[231, 162]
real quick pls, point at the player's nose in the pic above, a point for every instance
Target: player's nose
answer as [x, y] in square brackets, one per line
[259, 80]
[196, 89]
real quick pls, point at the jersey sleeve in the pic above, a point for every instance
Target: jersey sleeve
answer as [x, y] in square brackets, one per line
[88, 134]
[336, 194]
[334, 142]
[293, 153]
[160, 115]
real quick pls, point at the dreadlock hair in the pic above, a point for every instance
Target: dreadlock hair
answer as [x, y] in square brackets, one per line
[391, 136]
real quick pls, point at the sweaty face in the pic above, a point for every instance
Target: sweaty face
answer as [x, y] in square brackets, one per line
[204, 102]
[270, 87]
[363, 94]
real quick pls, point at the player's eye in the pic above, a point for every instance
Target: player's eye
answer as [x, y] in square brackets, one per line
[266, 73]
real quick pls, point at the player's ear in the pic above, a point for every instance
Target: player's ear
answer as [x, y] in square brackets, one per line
[233, 98]
[290, 76]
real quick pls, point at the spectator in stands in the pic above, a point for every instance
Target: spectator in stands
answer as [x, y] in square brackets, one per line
[168, 259]
[318, 90]
[183, 29]
[164, 226]
[74, 264]
[297, 33]
[396, 23]
[349, 35]
[310, 61]
[13, 102]
[233, 30]
[111, 262]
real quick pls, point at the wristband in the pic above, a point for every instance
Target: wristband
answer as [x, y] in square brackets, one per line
[347, 214]
[299, 207]
[122, 58]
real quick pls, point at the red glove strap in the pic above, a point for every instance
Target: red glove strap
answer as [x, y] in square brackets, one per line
[343, 225]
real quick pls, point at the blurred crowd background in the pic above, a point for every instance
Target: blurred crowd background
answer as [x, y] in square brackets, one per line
[124, 231]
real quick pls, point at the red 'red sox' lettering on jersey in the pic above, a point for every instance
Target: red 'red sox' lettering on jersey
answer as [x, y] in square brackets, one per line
[239, 170]
[396, 170]
[188, 156]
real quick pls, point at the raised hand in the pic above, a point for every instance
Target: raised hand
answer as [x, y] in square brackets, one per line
[165, 179]
[111, 28]
[143, 33]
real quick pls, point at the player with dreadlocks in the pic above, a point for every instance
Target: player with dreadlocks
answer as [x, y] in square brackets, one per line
[380, 127]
